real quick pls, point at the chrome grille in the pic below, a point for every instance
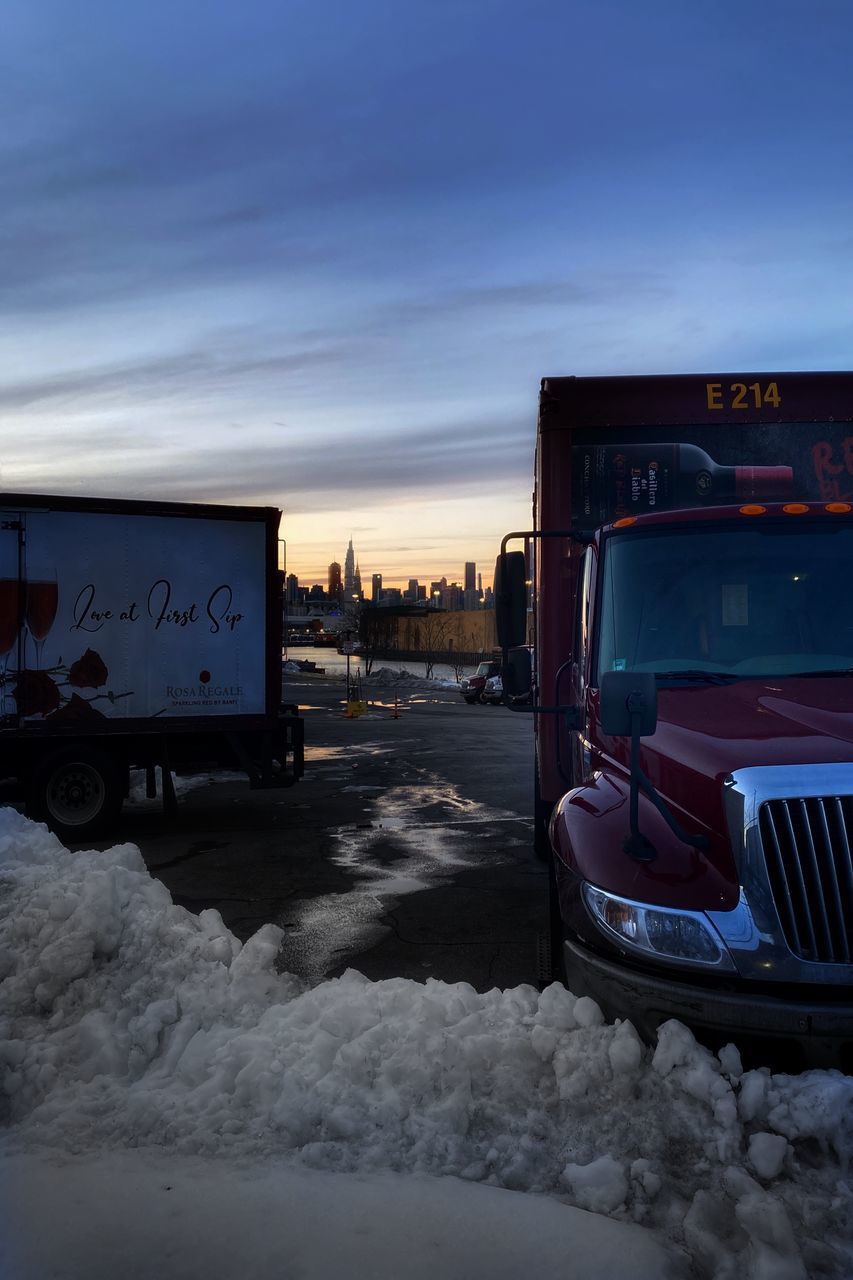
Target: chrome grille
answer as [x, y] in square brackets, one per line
[807, 846]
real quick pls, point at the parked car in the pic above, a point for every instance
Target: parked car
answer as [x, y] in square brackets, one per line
[471, 687]
[493, 691]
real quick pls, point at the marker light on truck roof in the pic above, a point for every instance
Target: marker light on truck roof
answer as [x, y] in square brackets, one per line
[626, 520]
[838, 508]
[680, 937]
[795, 509]
[752, 509]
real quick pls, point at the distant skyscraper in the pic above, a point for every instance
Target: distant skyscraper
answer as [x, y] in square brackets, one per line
[292, 589]
[334, 580]
[438, 593]
[376, 587]
[356, 582]
[412, 590]
[470, 575]
[349, 572]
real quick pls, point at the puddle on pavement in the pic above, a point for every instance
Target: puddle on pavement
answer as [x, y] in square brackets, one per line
[420, 827]
[318, 754]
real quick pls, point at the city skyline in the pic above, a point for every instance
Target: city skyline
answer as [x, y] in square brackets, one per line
[343, 576]
[319, 257]
[311, 560]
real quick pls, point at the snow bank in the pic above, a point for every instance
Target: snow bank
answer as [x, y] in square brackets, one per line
[140, 1214]
[126, 1021]
[389, 676]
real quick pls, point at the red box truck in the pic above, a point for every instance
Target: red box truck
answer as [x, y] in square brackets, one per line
[136, 635]
[681, 621]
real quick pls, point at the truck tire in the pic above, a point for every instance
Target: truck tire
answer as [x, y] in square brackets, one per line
[78, 792]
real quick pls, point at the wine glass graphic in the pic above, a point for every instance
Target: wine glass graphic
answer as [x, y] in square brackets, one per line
[42, 596]
[10, 623]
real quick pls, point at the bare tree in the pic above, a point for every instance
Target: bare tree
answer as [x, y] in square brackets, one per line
[456, 661]
[377, 632]
[430, 638]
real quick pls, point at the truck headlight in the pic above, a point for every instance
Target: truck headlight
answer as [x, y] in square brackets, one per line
[680, 937]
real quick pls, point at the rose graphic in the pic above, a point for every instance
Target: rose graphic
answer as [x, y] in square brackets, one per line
[77, 709]
[88, 672]
[35, 693]
[45, 693]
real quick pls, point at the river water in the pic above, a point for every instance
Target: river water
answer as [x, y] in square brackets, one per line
[336, 663]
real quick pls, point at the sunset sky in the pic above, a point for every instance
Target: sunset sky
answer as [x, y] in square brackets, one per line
[318, 253]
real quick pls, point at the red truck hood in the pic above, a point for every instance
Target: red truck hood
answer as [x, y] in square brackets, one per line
[707, 731]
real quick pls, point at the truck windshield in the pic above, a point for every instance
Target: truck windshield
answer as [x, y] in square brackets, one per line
[746, 600]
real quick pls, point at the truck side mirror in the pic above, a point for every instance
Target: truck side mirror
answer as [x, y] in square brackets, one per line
[625, 694]
[517, 674]
[511, 599]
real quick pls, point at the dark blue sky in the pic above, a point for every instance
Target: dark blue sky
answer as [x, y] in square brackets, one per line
[320, 254]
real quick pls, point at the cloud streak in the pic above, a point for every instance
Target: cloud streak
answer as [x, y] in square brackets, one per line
[305, 476]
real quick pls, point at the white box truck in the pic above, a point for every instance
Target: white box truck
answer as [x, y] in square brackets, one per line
[136, 635]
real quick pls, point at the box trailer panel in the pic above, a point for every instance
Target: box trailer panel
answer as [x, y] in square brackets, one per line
[135, 616]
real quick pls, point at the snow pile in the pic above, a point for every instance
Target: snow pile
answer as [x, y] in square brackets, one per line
[126, 1021]
[388, 676]
[140, 1214]
[392, 676]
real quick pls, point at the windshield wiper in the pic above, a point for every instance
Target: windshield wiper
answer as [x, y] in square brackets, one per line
[698, 675]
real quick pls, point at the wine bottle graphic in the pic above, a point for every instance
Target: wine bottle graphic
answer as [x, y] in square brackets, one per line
[612, 481]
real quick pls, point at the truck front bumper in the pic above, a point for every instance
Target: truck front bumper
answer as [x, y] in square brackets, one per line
[823, 1032]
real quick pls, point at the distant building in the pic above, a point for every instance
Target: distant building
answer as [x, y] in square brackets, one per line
[376, 587]
[470, 575]
[291, 589]
[335, 584]
[438, 594]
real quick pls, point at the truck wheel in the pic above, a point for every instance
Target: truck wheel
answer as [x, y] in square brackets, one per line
[78, 793]
[471, 701]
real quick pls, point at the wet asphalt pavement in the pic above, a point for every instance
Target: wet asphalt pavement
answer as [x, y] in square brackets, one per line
[406, 850]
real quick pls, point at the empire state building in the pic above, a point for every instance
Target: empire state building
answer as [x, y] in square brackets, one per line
[352, 575]
[349, 572]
